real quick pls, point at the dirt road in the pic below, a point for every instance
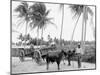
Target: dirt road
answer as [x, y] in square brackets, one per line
[30, 66]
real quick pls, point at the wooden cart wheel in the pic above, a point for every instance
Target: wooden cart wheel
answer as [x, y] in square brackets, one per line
[21, 55]
[37, 57]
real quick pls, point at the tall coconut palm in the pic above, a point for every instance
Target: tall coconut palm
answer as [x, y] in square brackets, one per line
[93, 27]
[39, 17]
[87, 11]
[61, 9]
[77, 11]
[23, 10]
[83, 10]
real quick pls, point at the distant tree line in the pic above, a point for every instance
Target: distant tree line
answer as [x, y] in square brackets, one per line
[29, 40]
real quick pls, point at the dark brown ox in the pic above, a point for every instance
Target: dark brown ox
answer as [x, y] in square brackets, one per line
[56, 56]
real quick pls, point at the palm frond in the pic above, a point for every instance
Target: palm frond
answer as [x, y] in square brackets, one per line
[76, 9]
[52, 23]
[39, 16]
[76, 15]
[90, 11]
[19, 20]
[15, 31]
[15, 16]
[48, 11]
[38, 7]
[48, 21]
[25, 4]
[22, 9]
[20, 23]
[61, 6]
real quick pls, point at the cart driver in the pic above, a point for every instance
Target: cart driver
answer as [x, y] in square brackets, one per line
[32, 47]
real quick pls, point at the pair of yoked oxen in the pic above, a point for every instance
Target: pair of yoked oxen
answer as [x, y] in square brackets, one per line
[58, 56]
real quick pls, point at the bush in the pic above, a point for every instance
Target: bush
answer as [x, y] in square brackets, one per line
[92, 59]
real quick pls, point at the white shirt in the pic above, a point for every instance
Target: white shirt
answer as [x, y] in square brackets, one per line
[80, 50]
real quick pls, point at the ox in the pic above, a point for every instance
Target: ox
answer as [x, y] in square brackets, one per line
[54, 57]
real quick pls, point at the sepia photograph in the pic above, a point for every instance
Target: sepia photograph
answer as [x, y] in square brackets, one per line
[52, 37]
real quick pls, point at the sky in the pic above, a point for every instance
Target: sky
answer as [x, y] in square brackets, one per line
[56, 13]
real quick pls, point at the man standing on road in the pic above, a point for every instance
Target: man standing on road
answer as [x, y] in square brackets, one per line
[79, 53]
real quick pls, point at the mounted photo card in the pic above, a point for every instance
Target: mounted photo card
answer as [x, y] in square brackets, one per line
[52, 37]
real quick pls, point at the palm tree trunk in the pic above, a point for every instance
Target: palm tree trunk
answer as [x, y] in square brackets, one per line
[84, 36]
[26, 28]
[62, 24]
[85, 30]
[93, 28]
[85, 22]
[82, 41]
[41, 36]
[37, 36]
[25, 33]
[94, 33]
[75, 28]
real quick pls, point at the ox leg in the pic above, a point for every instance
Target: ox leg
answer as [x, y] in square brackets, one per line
[47, 65]
[69, 61]
[21, 56]
[47, 62]
[64, 61]
[58, 63]
[32, 57]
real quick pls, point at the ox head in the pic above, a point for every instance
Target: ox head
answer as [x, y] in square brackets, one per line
[63, 52]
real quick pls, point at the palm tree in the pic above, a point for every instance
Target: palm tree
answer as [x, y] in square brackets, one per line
[61, 9]
[23, 10]
[78, 10]
[39, 18]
